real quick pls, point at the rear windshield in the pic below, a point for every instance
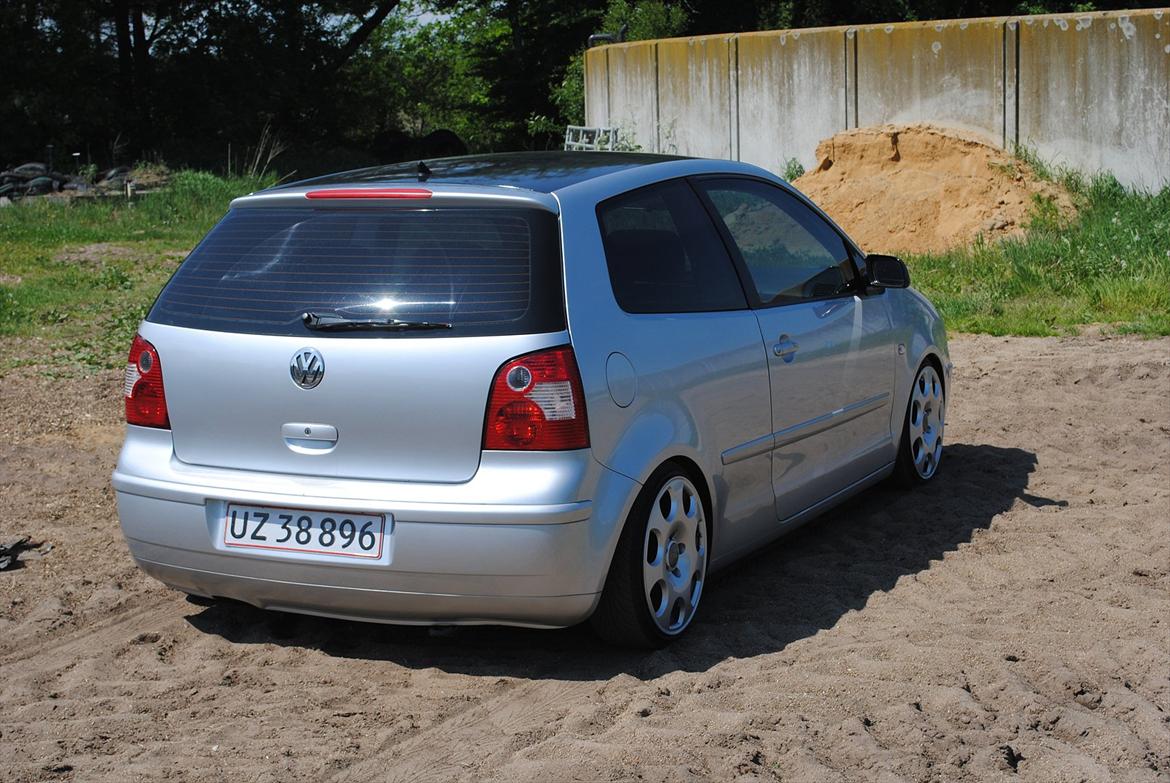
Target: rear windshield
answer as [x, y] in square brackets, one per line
[485, 271]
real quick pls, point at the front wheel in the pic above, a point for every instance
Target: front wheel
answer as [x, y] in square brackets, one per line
[920, 450]
[658, 571]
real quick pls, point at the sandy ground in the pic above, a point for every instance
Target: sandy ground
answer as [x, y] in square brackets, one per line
[1010, 622]
[921, 189]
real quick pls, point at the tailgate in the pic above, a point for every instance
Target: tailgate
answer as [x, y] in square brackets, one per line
[396, 405]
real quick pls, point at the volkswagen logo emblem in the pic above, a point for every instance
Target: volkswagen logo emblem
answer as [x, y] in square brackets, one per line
[307, 368]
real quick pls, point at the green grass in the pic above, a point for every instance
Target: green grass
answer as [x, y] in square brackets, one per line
[77, 277]
[1110, 264]
[183, 212]
[81, 275]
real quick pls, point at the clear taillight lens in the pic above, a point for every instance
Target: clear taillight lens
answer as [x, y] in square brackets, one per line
[536, 404]
[146, 402]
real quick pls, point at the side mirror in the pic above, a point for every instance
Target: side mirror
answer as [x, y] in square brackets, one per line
[886, 271]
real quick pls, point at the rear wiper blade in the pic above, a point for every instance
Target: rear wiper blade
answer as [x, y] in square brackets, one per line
[331, 322]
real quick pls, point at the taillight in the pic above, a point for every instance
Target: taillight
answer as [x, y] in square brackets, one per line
[536, 404]
[146, 402]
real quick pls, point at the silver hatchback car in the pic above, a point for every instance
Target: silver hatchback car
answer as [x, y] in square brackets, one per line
[528, 389]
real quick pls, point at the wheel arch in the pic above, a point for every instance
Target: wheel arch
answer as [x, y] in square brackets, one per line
[932, 358]
[620, 609]
[928, 354]
[688, 465]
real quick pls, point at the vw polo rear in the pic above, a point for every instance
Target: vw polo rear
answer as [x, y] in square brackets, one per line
[361, 401]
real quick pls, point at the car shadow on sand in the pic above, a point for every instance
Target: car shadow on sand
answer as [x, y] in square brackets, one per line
[800, 585]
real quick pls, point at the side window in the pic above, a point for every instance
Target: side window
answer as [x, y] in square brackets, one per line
[664, 254]
[790, 252]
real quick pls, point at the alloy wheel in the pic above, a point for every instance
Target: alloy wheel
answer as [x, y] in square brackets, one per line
[674, 555]
[927, 420]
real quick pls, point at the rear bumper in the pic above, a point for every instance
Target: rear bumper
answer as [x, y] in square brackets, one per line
[389, 595]
[538, 560]
[378, 606]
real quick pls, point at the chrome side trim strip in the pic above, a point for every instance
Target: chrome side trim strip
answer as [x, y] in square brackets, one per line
[805, 429]
[829, 420]
[752, 448]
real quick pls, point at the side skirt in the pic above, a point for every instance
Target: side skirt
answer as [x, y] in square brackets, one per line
[800, 519]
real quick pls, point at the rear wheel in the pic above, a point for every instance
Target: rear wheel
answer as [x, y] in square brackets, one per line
[921, 448]
[658, 572]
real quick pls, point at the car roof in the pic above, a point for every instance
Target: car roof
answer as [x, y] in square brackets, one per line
[542, 172]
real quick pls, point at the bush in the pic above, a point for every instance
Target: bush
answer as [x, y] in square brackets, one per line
[793, 169]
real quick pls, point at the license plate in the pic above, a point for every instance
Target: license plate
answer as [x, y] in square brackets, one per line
[338, 533]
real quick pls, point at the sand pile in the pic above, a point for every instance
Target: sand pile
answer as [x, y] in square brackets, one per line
[917, 189]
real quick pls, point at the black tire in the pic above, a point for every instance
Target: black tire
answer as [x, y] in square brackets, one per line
[623, 616]
[906, 473]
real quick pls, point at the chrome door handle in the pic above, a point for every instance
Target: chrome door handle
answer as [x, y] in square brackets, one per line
[786, 348]
[305, 431]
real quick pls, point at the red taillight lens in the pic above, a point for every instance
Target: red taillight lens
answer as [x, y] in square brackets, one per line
[146, 402]
[536, 404]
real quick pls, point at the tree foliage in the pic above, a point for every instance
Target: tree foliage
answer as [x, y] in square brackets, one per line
[184, 77]
[418, 75]
[345, 82]
[635, 21]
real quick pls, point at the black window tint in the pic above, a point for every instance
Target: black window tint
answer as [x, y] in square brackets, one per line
[664, 255]
[487, 271]
[791, 253]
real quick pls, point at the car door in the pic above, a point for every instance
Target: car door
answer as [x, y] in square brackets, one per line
[829, 366]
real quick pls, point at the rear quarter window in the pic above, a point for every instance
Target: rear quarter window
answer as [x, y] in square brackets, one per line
[664, 254]
[485, 271]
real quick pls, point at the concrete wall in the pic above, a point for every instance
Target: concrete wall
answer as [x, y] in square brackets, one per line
[1095, 92]
[633, 91]
[779, 118]
[947, 73]
[696, 113]
[597, 87]
[1090, 91]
